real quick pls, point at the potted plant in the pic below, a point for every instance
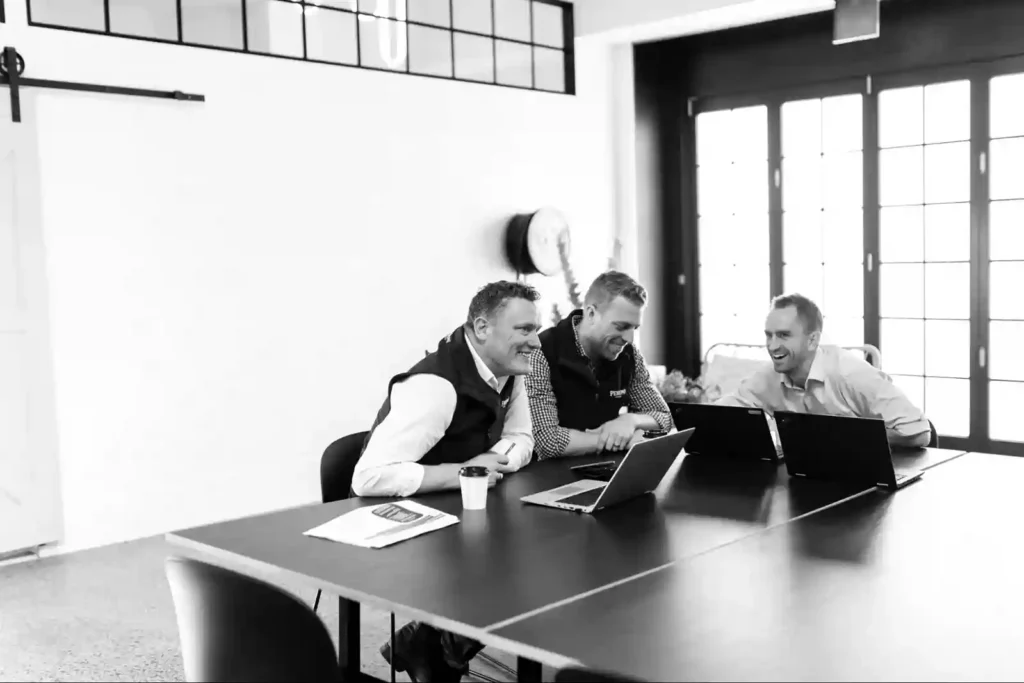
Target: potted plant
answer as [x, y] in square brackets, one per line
[678, 388]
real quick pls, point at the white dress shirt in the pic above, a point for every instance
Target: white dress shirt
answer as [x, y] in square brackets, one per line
[838, 383]
[422, 407]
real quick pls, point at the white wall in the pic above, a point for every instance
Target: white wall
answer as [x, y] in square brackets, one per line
[639, 241]
[232, 283]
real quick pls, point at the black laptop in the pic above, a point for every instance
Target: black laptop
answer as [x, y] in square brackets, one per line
[726, 430]
[853, 450]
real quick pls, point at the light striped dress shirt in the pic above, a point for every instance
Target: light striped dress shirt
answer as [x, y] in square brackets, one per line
[839, 383]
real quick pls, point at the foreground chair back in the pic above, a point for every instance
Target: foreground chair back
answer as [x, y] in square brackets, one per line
[237, 628]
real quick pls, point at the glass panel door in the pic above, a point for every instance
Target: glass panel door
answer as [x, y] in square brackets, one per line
[822, 210]
[925, 247]
[1006, 253]
[733, 235]
[783, 206]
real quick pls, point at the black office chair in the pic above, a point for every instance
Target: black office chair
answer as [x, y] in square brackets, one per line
[933, 442]
[580, 675]
[237, 628]
[337, 465]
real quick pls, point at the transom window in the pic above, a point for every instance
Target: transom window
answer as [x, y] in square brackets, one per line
[515, 43]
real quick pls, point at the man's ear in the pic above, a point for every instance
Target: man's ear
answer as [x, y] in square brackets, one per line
[815, 339]
[481, 327]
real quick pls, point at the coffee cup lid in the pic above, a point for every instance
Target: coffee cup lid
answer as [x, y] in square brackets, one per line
[473, 471]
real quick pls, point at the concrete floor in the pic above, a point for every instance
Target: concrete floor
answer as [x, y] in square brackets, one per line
[106, 615]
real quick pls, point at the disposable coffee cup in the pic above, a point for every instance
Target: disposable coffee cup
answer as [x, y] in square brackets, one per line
[473, 481]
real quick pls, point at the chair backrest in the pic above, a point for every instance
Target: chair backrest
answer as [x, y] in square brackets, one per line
[727, 364]
[756, 352]
[337, 466]
[933, 441]
[871, 353]
[237, 628]
[580, 675]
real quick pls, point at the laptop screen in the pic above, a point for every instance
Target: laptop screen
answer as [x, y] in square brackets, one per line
[726, 430]
[838, 448]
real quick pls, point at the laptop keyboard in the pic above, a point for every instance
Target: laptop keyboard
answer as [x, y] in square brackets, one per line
[584, 499]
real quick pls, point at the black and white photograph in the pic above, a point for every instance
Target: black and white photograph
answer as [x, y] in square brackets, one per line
[509, 341]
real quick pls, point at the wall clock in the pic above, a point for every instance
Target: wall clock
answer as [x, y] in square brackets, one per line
[533, 241]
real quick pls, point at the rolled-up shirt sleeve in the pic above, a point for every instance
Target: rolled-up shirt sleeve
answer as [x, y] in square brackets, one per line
[550, 438]
[644, 397]
[517, 435]
[752, 392]
[905, 423]
[421, 411]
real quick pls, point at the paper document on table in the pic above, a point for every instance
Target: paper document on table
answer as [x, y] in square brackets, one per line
[381, 525]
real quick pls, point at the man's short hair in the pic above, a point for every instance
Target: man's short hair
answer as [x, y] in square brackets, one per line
[494, 296]
[613, 284]
[806, 310]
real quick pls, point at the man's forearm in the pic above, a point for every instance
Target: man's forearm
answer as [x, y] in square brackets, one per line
[589, 443]
[734, 399]
[557, 442]
[908, 441]
[645, 421]
[439, 478]
[581, 443]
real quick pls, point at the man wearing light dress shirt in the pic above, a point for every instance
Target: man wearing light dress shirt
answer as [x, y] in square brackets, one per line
[461, 405]
[810, 378]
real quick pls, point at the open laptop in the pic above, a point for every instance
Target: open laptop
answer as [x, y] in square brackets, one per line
[839, 448]
[640, 472]
[726, 430]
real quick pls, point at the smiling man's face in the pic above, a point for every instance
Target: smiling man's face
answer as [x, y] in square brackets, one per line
[612, 328]
[789, 343]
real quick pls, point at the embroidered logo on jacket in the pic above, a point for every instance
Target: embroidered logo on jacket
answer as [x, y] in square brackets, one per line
[617, 393]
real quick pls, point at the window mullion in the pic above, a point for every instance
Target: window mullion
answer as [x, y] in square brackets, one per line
[775, 180]
[979, 258]
[871, 217]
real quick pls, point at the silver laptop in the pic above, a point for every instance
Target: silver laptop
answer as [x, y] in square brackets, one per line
[640, 472]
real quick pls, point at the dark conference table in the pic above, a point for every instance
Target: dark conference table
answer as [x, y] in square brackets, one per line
[495, 572]
[923, 584]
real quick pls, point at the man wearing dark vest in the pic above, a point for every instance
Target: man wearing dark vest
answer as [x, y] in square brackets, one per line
[461, 405]
[589, 387]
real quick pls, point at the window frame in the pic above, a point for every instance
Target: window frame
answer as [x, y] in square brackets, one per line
[979, 75]
[567, 49]
[742, 64]
[773, 100]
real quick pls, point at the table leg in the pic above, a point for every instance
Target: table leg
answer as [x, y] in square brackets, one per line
[392, 642]
[348, 639]
[529, 671]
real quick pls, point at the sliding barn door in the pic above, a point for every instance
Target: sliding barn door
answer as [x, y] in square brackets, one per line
[30, 513]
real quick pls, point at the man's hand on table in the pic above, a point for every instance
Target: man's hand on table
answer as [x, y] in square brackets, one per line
[496, 464]
[617, 434]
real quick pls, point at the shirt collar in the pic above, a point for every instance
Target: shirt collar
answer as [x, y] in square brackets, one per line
[576, 333]
[815, 374]
[485, 372]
